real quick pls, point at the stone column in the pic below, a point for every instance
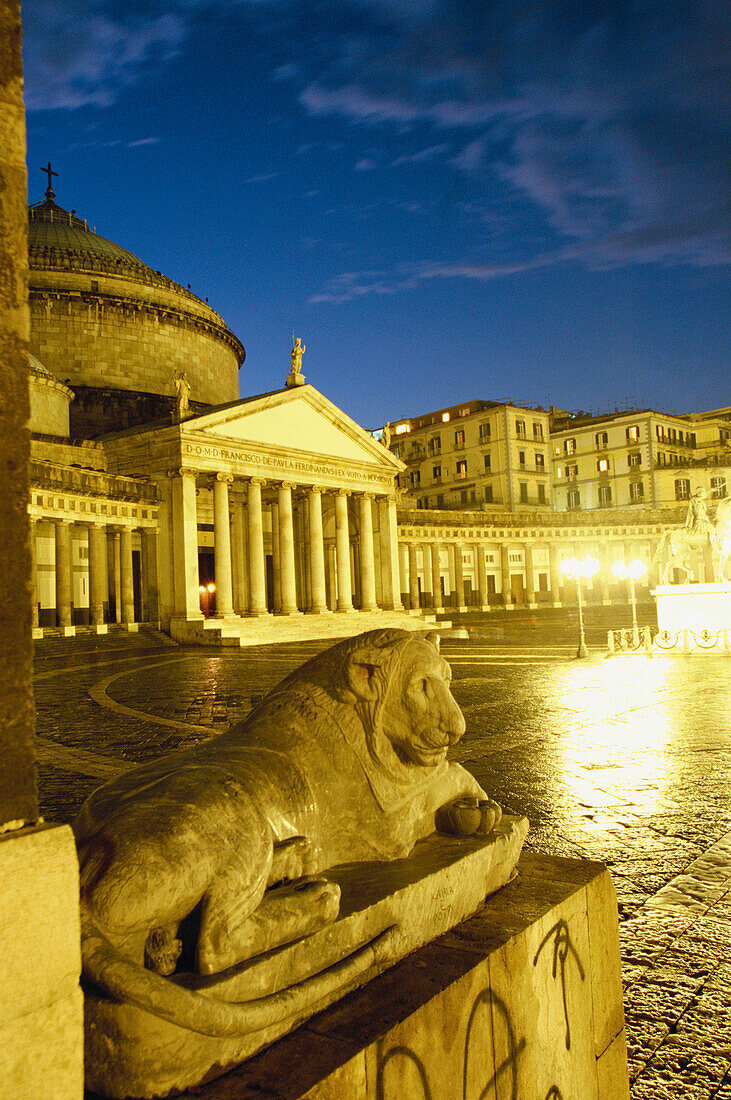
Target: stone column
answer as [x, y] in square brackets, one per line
[427, 574]
[115, 569]
[149, 570]
[530, 584]
[436, 576]
[33, 535]
[342, 542]
[367, 555]
[459, 578]
[389, 554]
[257, 571]
[505, 576]
[316, 551]
[128, 591]
[554, 570]
[98, 585]
[332, 577]
[288, 579]
[63, 576]
[483, 597]
[393, 541]
[276, 559]
[185, 546]
[222, 547]
[413, 576]
[239, 558]
[604, 574]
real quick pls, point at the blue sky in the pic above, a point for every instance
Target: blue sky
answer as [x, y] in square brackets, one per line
[446, 200]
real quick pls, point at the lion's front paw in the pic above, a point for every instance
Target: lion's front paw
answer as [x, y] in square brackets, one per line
[462, 817]
[490, 815]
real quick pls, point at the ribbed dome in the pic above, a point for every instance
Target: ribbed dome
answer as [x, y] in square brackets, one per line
[58, 237]
[36, 367]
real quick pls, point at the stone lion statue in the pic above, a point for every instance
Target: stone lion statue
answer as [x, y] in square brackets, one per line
[216, 853]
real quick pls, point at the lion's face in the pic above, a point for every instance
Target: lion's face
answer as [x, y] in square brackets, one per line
[420, 717]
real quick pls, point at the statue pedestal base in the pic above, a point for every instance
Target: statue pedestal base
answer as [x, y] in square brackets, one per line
[478, 1012]
[132, 1053]
[693, 618]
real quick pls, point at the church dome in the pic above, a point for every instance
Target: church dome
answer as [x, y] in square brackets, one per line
[118, 330]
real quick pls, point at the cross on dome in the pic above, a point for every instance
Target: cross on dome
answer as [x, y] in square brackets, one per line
[50, 193]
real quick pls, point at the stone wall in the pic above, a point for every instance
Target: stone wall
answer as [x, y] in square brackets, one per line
[96, 411]
[128, 345]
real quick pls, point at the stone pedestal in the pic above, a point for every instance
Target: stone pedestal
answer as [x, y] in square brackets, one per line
[41, 1031]
[693, 618]
[523, 1000]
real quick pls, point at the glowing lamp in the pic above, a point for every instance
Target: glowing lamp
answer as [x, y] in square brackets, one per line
[632, 572]
[211, 587]
[578, 569]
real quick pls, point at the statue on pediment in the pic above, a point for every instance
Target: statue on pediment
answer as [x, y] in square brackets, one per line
[182, 396]
[295, 376]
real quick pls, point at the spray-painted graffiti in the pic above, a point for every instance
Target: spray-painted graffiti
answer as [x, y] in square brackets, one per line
[562, 947]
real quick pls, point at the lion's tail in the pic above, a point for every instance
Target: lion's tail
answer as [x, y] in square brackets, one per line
[130, 983]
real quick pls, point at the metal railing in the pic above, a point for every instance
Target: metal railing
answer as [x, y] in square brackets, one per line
[643, 639]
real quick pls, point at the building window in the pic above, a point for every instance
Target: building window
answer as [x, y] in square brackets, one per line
[537, 430]
[634, 458]
[636, 492]
[436, 473]
[569, 446]
[540, 461]
[415, 478]
[435, 445]
[440, 500]
[603, 465]
[541, 493]
[718, 488]
[723, 433]
[445, 418]
[484, 433]
[573, 499]
[520, 429]
[682, 488]
[488, 461]
[543, 582]
[632, 433]
[602, 441]
[605, 496]
[572, 472]
[461, 469]
[459, 439]
[521, 459]
[488, 494]
[523, 492]
[401, 428]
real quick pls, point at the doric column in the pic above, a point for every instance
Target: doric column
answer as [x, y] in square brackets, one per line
[222, 546]
[98, 583]
[63, 575]
[342, 542]
[257, 573]
[554, 569]
[239, 558]
[185, 545]
[316, 551]
[505, 574]
[530, 584]
[481, 576]
[459, 578]
[413, 576]
[288, 578]
[128, 591]
[436, 576]
[33, 535]
[367, 554]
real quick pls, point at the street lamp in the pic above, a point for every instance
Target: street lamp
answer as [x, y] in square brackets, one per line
[576, 569]
[632, 572]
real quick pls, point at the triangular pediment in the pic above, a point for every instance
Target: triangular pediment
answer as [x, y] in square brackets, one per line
[300, 420]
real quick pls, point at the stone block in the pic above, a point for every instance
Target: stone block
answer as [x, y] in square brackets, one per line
[41, 1038]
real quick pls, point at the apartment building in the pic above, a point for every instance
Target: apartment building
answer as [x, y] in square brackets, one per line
[638, 458]
[480, 454]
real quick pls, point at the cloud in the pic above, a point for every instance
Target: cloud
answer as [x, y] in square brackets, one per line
[77, 56]
[262, 177]
[143, 141]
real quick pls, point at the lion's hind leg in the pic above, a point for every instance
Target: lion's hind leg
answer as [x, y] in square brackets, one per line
[292, 859]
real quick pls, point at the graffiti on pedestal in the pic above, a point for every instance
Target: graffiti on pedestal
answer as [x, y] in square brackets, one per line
[562, 948]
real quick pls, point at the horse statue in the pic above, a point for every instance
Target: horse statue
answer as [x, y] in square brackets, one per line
[698, 533]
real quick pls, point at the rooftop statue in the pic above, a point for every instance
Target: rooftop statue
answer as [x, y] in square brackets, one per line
[295, 376]
[182, 395]
[386, 436]
[198, 868]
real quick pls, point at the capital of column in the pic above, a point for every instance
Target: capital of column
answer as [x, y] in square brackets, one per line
[290, 485]
[367, 495]
[182, 471]
[260, 481]
[226, 478]
[343, 492]
[315, 489]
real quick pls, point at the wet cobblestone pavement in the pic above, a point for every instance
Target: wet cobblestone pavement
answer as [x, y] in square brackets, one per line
[625, 760]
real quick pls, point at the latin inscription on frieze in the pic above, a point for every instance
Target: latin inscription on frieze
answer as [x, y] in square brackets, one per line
[278, 462]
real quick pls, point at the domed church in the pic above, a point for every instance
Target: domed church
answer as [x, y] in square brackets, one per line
[158, 495]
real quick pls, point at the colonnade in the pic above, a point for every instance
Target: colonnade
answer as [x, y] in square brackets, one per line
[525, 572]
[109, 570]
[309, 573]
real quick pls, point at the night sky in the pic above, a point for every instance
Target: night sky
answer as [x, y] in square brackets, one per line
[517, 201]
